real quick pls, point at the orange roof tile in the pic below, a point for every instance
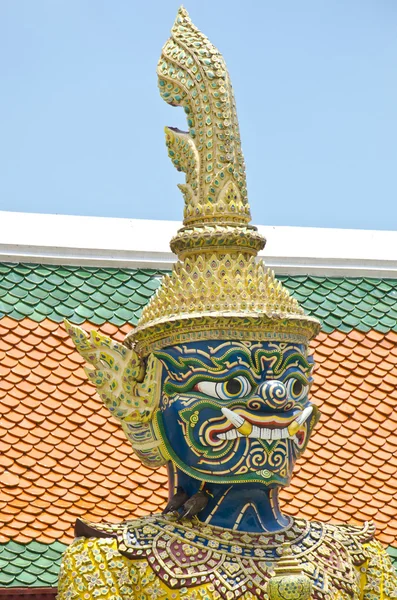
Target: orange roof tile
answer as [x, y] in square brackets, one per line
[361, 466]
[60, 444]
[66, 457]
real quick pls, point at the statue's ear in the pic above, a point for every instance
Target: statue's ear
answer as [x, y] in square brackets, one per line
[115, 370]
[129, 387]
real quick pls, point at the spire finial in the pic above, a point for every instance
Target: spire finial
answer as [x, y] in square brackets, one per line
[192, 74]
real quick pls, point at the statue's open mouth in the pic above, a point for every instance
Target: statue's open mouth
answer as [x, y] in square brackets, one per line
[251, 427]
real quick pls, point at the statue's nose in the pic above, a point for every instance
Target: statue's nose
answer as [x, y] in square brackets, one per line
[270, 394]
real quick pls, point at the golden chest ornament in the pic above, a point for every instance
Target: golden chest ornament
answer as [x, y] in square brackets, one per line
[184, 555]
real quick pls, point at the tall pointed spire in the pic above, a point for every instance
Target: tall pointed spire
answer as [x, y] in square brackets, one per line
[192, 74]
[217, 289]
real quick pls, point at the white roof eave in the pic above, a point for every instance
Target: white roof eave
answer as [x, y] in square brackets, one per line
[140, 243]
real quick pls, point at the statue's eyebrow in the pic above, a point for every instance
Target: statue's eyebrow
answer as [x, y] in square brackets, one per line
[186, 360]
[296, 359]
[186, 364]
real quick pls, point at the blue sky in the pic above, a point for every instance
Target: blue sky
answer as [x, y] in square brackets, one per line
[81, 120]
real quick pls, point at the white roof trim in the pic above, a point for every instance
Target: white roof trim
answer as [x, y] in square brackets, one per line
[139, 243]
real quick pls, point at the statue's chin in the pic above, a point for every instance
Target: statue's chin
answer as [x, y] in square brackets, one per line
[265, 477]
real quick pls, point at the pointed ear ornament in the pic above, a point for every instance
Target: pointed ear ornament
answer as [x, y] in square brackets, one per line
[129, 389]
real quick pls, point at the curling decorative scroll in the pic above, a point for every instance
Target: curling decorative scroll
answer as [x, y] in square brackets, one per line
[192, 74]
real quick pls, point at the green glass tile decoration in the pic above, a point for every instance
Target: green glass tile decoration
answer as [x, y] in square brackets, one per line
[30, 565]
[393, 555]
[119, 295]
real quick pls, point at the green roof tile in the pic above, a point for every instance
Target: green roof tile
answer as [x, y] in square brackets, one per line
[46, 310]
[352, 321]
[118, 296]
[79, 293]
[30, 565]
[23, 308]
[6, 580]
[347, 303]
[27, 579]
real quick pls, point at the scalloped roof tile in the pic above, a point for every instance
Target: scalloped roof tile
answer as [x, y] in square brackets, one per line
[64, 456]
[30, 565]
[117, 296]
[79, 293]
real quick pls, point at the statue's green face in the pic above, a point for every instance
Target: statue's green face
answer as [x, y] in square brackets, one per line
[234, 412]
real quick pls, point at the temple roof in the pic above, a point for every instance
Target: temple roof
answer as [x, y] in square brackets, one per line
[117, 296]
[64, 456]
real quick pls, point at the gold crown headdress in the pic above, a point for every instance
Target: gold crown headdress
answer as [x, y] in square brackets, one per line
[217, 289]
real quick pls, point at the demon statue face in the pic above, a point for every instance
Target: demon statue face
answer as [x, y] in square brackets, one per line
[235, 412]
[225, 412]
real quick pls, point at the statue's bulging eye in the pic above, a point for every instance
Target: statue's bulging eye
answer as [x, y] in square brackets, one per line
[296, 389]
[237, 387]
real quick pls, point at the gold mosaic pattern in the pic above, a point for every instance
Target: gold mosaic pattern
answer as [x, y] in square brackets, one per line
[95, 568]
[381, 579]
[219, 287]
[192, 74]
[214, 237]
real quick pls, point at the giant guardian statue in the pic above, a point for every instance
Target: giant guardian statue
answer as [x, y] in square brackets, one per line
[214, 383]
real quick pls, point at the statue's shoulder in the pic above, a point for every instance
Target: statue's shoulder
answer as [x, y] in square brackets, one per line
[88, 529]
[134, 527]
[134, 537]
[353, 537]
[363, 533]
